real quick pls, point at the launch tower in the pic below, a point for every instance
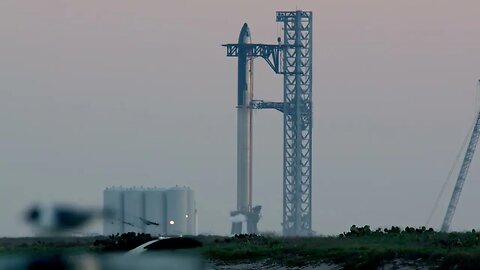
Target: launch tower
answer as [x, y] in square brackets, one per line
[291, 57]
[297, 122]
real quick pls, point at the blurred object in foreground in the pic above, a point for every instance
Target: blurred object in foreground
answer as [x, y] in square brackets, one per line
[60, 218]
[155, 260]
[174, 243]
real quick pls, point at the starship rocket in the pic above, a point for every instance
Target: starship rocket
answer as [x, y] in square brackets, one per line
[244, 129]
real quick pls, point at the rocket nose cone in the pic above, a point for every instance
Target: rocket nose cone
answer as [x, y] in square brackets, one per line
[244, 34]
[245, 29]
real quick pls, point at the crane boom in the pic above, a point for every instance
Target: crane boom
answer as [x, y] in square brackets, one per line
[462, 176]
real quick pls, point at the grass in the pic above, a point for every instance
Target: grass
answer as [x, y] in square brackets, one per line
[359, 248]
[35, 245]
[354, 251]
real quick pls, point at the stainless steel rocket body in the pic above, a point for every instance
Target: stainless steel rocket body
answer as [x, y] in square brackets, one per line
[244, 124]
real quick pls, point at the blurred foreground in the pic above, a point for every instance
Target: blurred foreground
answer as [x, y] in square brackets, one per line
[359, 248]
[101, 262]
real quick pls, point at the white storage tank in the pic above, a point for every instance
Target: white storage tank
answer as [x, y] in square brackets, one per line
[134, 211]
[176, 199]
[155, 212]
[191, 213]
[113, 206]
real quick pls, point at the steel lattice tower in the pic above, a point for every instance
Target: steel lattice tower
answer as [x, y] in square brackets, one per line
[297, 119]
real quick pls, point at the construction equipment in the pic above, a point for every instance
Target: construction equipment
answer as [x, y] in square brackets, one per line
[462, 176]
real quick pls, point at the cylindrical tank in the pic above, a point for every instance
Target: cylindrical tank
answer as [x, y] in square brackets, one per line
[113, 207]
[191, 213]
[176, 199]
[155, 212]
[134, 210]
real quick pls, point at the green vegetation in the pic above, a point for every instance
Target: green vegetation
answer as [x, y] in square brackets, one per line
[47, 245]
[359, 248]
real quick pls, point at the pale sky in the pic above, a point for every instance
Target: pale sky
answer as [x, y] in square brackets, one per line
[115, 92]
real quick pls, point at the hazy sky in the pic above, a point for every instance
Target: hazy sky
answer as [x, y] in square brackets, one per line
[115, 92]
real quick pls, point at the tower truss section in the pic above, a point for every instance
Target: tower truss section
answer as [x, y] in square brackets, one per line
[297, 110]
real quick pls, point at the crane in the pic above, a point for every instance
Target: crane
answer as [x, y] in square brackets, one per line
[462, 176]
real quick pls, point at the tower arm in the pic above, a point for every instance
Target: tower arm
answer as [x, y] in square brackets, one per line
[269, 52]
[260, 104]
